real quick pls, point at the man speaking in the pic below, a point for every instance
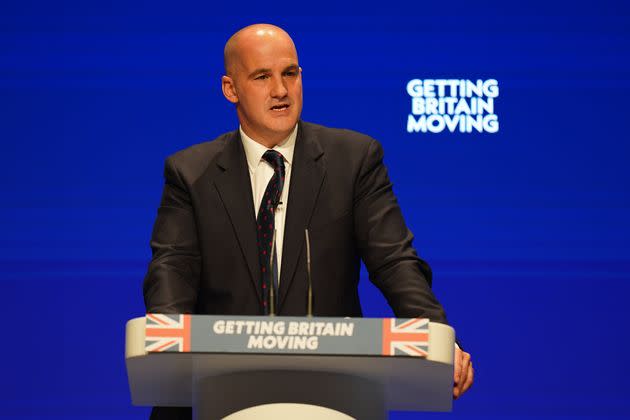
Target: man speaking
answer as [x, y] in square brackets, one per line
[230, 231]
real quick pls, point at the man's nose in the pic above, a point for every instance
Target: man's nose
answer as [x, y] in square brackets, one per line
[279, 88]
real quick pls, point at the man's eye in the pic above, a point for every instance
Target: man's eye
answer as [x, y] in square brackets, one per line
[262, 77]
[291, 73]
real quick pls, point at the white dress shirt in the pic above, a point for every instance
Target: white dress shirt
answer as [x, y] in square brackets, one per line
[260, 173]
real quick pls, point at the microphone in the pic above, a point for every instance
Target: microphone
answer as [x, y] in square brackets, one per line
[277, 200]
[309, 307]
[272, 286]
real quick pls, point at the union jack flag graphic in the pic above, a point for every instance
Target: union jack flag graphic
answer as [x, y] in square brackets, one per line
[167, 333]
[406, 337]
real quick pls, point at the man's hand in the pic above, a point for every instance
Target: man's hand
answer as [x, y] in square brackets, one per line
[464, 373]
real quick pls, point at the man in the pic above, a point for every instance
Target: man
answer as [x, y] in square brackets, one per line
[234, 210]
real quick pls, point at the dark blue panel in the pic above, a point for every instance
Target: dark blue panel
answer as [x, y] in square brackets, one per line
[527, 230]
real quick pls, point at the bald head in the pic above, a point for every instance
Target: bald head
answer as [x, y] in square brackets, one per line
[253, 37]
[264, 80]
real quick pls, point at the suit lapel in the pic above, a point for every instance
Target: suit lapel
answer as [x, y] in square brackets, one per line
[307, 175]
[235, 190]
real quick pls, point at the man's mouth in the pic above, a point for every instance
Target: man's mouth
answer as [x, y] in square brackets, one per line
[280, 107]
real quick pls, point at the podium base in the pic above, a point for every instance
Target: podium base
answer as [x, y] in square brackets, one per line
[288, 411]
[277, 394]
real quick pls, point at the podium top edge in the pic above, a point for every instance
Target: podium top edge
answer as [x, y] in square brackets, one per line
[441, 337]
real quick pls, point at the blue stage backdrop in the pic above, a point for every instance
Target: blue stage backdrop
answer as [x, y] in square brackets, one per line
[525, 219]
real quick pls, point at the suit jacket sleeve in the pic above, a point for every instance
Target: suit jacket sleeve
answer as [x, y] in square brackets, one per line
[172, 280]
[385, 243]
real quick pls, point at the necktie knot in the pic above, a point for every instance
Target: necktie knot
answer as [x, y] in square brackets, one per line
[275, 159]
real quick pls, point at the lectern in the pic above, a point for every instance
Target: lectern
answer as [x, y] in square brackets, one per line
[249, 367]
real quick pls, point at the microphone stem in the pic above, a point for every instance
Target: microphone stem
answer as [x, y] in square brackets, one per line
[309, 307]
[272, 293]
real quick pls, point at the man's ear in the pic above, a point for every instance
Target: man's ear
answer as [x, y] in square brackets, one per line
[229, 91]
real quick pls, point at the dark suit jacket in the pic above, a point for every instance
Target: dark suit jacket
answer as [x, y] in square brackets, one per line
[205, 257]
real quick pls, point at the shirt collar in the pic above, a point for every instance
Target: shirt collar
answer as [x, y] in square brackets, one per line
[254, 151]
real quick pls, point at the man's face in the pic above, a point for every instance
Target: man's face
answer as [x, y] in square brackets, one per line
[265, 83]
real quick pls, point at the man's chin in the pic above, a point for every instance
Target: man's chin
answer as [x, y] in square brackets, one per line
[283, 125]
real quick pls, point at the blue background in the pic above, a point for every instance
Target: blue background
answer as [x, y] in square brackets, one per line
[527, 230]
